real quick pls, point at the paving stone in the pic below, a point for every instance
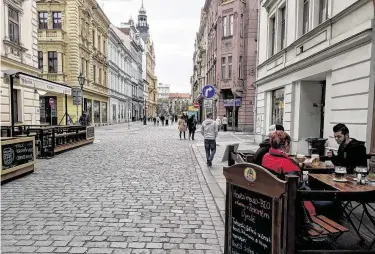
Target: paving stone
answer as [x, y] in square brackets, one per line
[99, 199]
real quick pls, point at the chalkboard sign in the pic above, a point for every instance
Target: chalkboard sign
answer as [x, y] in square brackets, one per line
[250, 222]
[90, 132]
[17, 154]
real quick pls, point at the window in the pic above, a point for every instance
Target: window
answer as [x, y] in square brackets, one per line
[323, 11]
[52, 62]
[93, 38]
[40, 60]
[273, 35]
[94, 73]
[223, 68]
[231, 25]
[278, 106]
[230, 67]
[224, 26]
[99, 42]
[15, 105]
[305, 17]
[87, 69]
[56, 19]
[13, 22]
[43, 20]
[240, 68]
[100, 76]
[283, 29]
[62, 62]
[241, 26]
[104, 46]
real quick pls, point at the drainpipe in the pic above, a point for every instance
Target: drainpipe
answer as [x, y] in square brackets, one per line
[11, 84]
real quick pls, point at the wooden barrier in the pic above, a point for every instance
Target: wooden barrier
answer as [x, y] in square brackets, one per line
[17, 157]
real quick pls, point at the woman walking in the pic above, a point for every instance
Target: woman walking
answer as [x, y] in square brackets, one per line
[182, 126]
[192, 125]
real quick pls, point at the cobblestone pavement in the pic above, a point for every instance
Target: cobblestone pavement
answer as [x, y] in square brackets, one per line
[132, 191]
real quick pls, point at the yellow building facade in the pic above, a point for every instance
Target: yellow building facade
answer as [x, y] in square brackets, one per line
[72, 39]
[151, 79]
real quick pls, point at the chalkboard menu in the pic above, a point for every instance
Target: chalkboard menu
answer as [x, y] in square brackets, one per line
[250, 222]
[90, 132]
[17, 154]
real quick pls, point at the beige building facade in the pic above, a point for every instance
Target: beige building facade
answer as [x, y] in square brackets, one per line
[72, 39]
[151, 79]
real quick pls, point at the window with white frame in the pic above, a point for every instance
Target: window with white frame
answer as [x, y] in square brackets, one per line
[323, 10]
[231, 25]
[13, 24]
[229, 67]
[224, 26]
[272, 40]
[43, 20]
[223, 76]
[56, 20]
[306, 16]
[283, 28]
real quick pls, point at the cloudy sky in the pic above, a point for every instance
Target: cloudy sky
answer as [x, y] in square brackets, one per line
[173, 25]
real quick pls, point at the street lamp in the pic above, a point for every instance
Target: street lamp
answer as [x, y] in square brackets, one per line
[81, 81]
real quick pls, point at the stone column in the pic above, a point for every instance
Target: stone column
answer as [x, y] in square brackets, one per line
[59, 62]
[45, 61]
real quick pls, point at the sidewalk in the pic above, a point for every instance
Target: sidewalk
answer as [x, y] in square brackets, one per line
[214, 175]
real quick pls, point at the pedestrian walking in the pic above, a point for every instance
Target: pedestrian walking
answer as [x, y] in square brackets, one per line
[192, 125]
[166, 121]
[218, 122]
[154, 120]
[175, 118]
[209, 131]
[224, 122]
[171, 118]
[182, 126]
[162, 118]
[157, 120]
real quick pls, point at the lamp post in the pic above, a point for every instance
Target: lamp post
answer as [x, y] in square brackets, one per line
[81, 81]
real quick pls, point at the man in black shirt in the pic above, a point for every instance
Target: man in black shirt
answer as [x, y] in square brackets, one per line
[351, 153]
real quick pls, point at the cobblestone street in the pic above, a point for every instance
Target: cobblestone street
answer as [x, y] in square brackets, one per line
[132, 191]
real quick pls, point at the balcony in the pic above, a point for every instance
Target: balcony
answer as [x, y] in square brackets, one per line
[51, 35]
[56, 77]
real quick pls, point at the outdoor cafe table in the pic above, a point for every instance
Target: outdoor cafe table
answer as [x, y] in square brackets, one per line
[364, 195]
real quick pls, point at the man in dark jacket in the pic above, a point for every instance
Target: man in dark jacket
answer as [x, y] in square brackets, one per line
[265, 146]
[192, 125]
[351, 153]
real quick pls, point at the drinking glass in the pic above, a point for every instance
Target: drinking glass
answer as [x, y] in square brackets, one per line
[340, 173]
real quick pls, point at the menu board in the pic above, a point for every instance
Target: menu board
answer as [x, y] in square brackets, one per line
[250, 222]
[17, 154]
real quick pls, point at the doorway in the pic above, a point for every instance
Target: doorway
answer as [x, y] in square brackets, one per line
[229, 114]
[48, 113]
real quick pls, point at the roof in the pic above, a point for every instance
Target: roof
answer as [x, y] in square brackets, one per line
[179, 96]
[125, 30]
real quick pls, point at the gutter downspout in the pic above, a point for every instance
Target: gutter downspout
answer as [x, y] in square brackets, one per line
[256, 76]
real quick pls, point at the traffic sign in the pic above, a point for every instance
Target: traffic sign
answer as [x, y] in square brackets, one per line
[208, 103]
[51, 102]
[196, 104]
[77, 96]
[208, 91]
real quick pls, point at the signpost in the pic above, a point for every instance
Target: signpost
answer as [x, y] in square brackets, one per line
[208, 91]
[77, 98]
[51, 103]
[208, 103]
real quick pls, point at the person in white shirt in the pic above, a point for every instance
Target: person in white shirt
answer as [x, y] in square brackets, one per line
[218, 122]
[224, 121]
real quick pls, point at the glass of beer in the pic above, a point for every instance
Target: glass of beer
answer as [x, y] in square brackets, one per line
[300, 158]
[340, 174]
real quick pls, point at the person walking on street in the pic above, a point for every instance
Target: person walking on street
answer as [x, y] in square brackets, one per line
[209, 131]
[162, 118]
[224, 122]
[218, 122]
[157, 120]
[182, 126]
[154, 119]
[192, 125]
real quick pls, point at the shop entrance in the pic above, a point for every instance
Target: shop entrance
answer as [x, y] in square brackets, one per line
[229, 114]
[48, 114]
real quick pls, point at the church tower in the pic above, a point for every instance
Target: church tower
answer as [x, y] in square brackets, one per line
[142, 25]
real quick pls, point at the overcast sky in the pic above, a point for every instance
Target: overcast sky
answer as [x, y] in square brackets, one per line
[173, 25]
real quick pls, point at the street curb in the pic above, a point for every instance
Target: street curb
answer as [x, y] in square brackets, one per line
[207, 173]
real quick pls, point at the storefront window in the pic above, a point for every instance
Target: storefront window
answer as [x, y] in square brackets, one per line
[88, 108]
[96, 111]
[278, 106]
[114, 112]
[104, 112]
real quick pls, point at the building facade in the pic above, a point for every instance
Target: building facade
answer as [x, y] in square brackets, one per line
[178, 103]
[21, 88]
[163, 91]
[135, 46]
[230, 59]
[151, 78]
[119, 78]
[72, 39]
[315, 69]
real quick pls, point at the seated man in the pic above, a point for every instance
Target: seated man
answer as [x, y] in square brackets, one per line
[265, 146]
[351, 153]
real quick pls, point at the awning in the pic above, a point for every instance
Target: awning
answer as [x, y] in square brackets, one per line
[27, 80]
